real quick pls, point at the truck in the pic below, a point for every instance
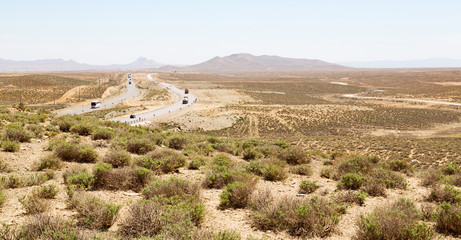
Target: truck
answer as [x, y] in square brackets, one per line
[186, 91]
[96, 104]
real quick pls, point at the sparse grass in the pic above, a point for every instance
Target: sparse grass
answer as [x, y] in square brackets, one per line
[2, 199]
[4, 166]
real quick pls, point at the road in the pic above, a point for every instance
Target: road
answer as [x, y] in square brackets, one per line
[155, 114]
[356, 96]
[131, 92]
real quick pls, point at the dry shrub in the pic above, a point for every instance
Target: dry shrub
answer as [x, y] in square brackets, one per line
[17, 133]
[446, 194]
[399, 220]
[270, 169]
[33, 204]
[10, 146]
[350, 197]
[301, 169]
[294, 155]
[171, 187]
[118, 158]
[300, 217]
[2, 199]
[327, 172]
[43, 226]
[48, 162]
[260, 198]
[237, 194]
[177, 142]
[92, 212]
[152, 218]
[4, 166]
[448, 218]
[197, 161]
[46, 191]
[82, 129]
[390, 178]
[374, 188]
[430, 178]
[121, 178]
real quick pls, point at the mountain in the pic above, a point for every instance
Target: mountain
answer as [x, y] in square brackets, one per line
[419, 63]
[60, 65]
[245, 62]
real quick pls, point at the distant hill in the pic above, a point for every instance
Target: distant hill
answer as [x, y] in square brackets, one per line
[246, 62]
[60, 65]
[421, 63]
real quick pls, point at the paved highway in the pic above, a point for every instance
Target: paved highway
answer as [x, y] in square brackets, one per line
[131, 92]
[152, 115]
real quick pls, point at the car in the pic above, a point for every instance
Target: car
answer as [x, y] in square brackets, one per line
[132, 116]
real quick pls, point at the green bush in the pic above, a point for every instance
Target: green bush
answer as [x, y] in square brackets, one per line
[351, 181]
[177, 142]
[2, 199]
[10, 146]
[236, 195]
[162, 160]
[451, 169]
[270, 169]
[74, 152]
[103, 133]
[399, 220]
[16, 132]
[79, 177]
[448, 218]
[327, 172]
[251, 154]
[48, 162]
[308, 186]
[82, 129]
[139, 145]
[355, 164]
[36, 129]
[197, 161]
[396, 165]
[118, 158]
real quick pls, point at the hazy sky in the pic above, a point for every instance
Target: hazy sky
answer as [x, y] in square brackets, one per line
[185, 32]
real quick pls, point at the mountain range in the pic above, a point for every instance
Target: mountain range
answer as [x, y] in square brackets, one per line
[245, 62]
[60, 65]
[234, 63]
[418, 63]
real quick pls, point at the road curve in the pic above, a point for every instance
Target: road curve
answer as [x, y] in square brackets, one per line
[132, 91]
[155, 114]
[356, 96]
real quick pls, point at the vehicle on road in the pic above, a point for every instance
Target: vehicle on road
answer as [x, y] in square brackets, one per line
[132, 116]
[185, 100]
[130, 82]
[96, 104]
[186, 91]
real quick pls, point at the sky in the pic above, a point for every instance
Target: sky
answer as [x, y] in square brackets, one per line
[189, 32]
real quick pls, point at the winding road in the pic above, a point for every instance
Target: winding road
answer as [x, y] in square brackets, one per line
[132, 91]
[155, 114]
